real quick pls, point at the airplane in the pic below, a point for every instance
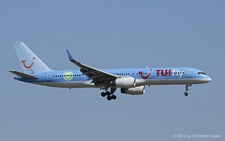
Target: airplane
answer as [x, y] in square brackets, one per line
[129, 80]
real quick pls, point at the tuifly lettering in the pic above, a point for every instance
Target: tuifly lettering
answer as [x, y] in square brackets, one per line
[168, 72]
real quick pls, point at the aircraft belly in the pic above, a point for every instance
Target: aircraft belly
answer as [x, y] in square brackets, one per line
[174, 81]
[69, 84]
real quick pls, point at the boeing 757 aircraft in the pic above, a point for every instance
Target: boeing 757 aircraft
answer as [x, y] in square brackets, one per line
[129, 80]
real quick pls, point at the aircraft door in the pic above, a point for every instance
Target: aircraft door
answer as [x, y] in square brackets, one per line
[189, 73]
[48, 76]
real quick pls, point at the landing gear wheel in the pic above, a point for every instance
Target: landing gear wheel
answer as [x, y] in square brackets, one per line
[186, 93]
[113, 97]
[107, 93]
[109, 97]
[103, 94]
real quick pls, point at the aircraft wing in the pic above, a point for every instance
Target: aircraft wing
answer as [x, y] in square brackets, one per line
[91, 72]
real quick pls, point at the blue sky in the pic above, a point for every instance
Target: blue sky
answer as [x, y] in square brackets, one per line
[113, 34]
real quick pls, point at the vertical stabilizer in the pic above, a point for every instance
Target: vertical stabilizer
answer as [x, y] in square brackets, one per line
[29, 61]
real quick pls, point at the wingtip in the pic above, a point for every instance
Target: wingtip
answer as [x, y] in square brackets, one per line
[70, 56]
[17, 43]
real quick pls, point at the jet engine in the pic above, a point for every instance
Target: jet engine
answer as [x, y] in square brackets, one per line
[124, 82]
[134, 91]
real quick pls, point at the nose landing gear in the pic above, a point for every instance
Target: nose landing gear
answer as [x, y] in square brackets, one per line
[186, 89]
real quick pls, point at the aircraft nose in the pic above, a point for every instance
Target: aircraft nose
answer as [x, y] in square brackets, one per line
[207, 79]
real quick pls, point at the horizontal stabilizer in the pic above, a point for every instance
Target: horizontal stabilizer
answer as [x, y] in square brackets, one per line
[24, 75]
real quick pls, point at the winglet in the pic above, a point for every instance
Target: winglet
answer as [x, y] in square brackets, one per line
[70, 56]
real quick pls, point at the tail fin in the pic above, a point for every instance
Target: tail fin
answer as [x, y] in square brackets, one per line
[29, 61]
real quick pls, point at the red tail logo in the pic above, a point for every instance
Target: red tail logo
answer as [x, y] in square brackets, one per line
[24, 64]
[145, 77]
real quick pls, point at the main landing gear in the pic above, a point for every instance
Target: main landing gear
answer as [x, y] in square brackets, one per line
[109, 95]
[186, 89]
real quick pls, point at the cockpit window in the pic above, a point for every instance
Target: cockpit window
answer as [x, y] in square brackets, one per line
[201, 73]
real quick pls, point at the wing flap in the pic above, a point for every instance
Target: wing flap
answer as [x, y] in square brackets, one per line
[24, 75]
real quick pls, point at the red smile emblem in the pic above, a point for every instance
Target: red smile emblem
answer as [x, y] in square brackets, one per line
[24, 64]
[145, 77]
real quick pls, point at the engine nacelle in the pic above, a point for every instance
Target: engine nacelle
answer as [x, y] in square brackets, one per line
[134, 91]
[124, 82]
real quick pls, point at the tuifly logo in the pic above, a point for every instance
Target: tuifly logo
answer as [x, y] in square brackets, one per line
[27, 66]
[143, 76]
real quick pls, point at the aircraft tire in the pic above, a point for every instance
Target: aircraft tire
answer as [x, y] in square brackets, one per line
[113, 97]
[103, 94]
[185, 93]
[109, 98]
[107, 93]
